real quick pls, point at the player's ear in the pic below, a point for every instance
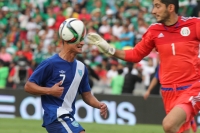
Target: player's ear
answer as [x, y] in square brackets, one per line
[171, 8]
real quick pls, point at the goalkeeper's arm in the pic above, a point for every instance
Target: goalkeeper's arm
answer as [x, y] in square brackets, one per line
[120, 54]
[95, 39]
[142, 49]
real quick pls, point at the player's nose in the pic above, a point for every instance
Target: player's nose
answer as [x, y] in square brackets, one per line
[153, 11]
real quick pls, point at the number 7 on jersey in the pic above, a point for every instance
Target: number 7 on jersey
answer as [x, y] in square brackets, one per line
[63, 78]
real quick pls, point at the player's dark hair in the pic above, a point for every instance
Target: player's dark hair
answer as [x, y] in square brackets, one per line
[174, 2]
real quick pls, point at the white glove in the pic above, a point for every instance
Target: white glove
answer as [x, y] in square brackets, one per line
[96, 39]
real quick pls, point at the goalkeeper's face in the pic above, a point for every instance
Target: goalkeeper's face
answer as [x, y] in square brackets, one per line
[161, 12]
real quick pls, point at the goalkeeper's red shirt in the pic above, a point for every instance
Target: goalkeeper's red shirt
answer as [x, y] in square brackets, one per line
[178, 47]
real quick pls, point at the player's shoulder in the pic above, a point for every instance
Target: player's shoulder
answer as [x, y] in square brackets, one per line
[152, 28]
[55, 56]
[45, 62]
[155, 26]
[82, 67]
[189, 19]
[80, 63]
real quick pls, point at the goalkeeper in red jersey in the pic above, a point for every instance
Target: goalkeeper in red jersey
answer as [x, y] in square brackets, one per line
[177, 40]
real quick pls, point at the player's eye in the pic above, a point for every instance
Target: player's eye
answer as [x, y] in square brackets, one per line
[82, 36]
[81, 39]
[157, 6]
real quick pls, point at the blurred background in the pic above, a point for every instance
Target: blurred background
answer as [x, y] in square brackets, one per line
[29, 34]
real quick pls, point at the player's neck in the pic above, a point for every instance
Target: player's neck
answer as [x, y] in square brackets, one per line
[172, 20]
[67, 55]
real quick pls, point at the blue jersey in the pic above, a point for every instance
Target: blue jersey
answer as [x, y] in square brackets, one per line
[74, 78]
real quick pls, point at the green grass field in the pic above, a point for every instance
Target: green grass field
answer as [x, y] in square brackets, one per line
[19, 125]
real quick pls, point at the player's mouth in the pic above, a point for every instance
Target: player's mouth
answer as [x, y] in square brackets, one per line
[157, 16]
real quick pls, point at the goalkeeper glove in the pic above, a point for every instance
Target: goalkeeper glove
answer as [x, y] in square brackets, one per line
[96, 39]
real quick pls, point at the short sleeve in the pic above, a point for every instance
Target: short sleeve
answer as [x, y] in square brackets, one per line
[42, 73]
[84, 87]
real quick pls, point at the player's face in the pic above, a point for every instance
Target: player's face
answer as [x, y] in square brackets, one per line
[77, 48]
[160, 11]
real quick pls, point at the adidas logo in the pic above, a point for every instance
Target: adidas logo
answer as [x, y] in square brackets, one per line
[160, 35]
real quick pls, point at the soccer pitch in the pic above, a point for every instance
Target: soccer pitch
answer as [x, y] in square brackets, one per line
[19, 125]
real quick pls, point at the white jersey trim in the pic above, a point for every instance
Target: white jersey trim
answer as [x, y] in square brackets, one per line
[188, 18]
[65, 125]
[72, 91]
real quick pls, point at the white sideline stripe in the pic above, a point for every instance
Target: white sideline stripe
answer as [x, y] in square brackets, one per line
[7, 116]
[65, 125]
[7, 98]
[7, 108]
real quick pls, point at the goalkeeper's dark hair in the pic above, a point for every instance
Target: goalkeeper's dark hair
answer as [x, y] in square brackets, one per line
[174, 2]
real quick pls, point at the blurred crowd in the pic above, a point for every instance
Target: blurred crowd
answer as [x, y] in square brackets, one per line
[29, 34]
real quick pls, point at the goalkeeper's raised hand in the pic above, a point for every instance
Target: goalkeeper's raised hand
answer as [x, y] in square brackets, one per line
[96, 39]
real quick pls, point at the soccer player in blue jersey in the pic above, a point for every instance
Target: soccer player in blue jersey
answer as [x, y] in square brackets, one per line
[58, 80]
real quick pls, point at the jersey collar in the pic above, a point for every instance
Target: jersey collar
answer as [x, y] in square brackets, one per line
[176, 25]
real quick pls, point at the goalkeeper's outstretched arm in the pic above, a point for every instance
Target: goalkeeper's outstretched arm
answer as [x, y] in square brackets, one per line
[96, 39]
[120, 54]
[142, 49]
